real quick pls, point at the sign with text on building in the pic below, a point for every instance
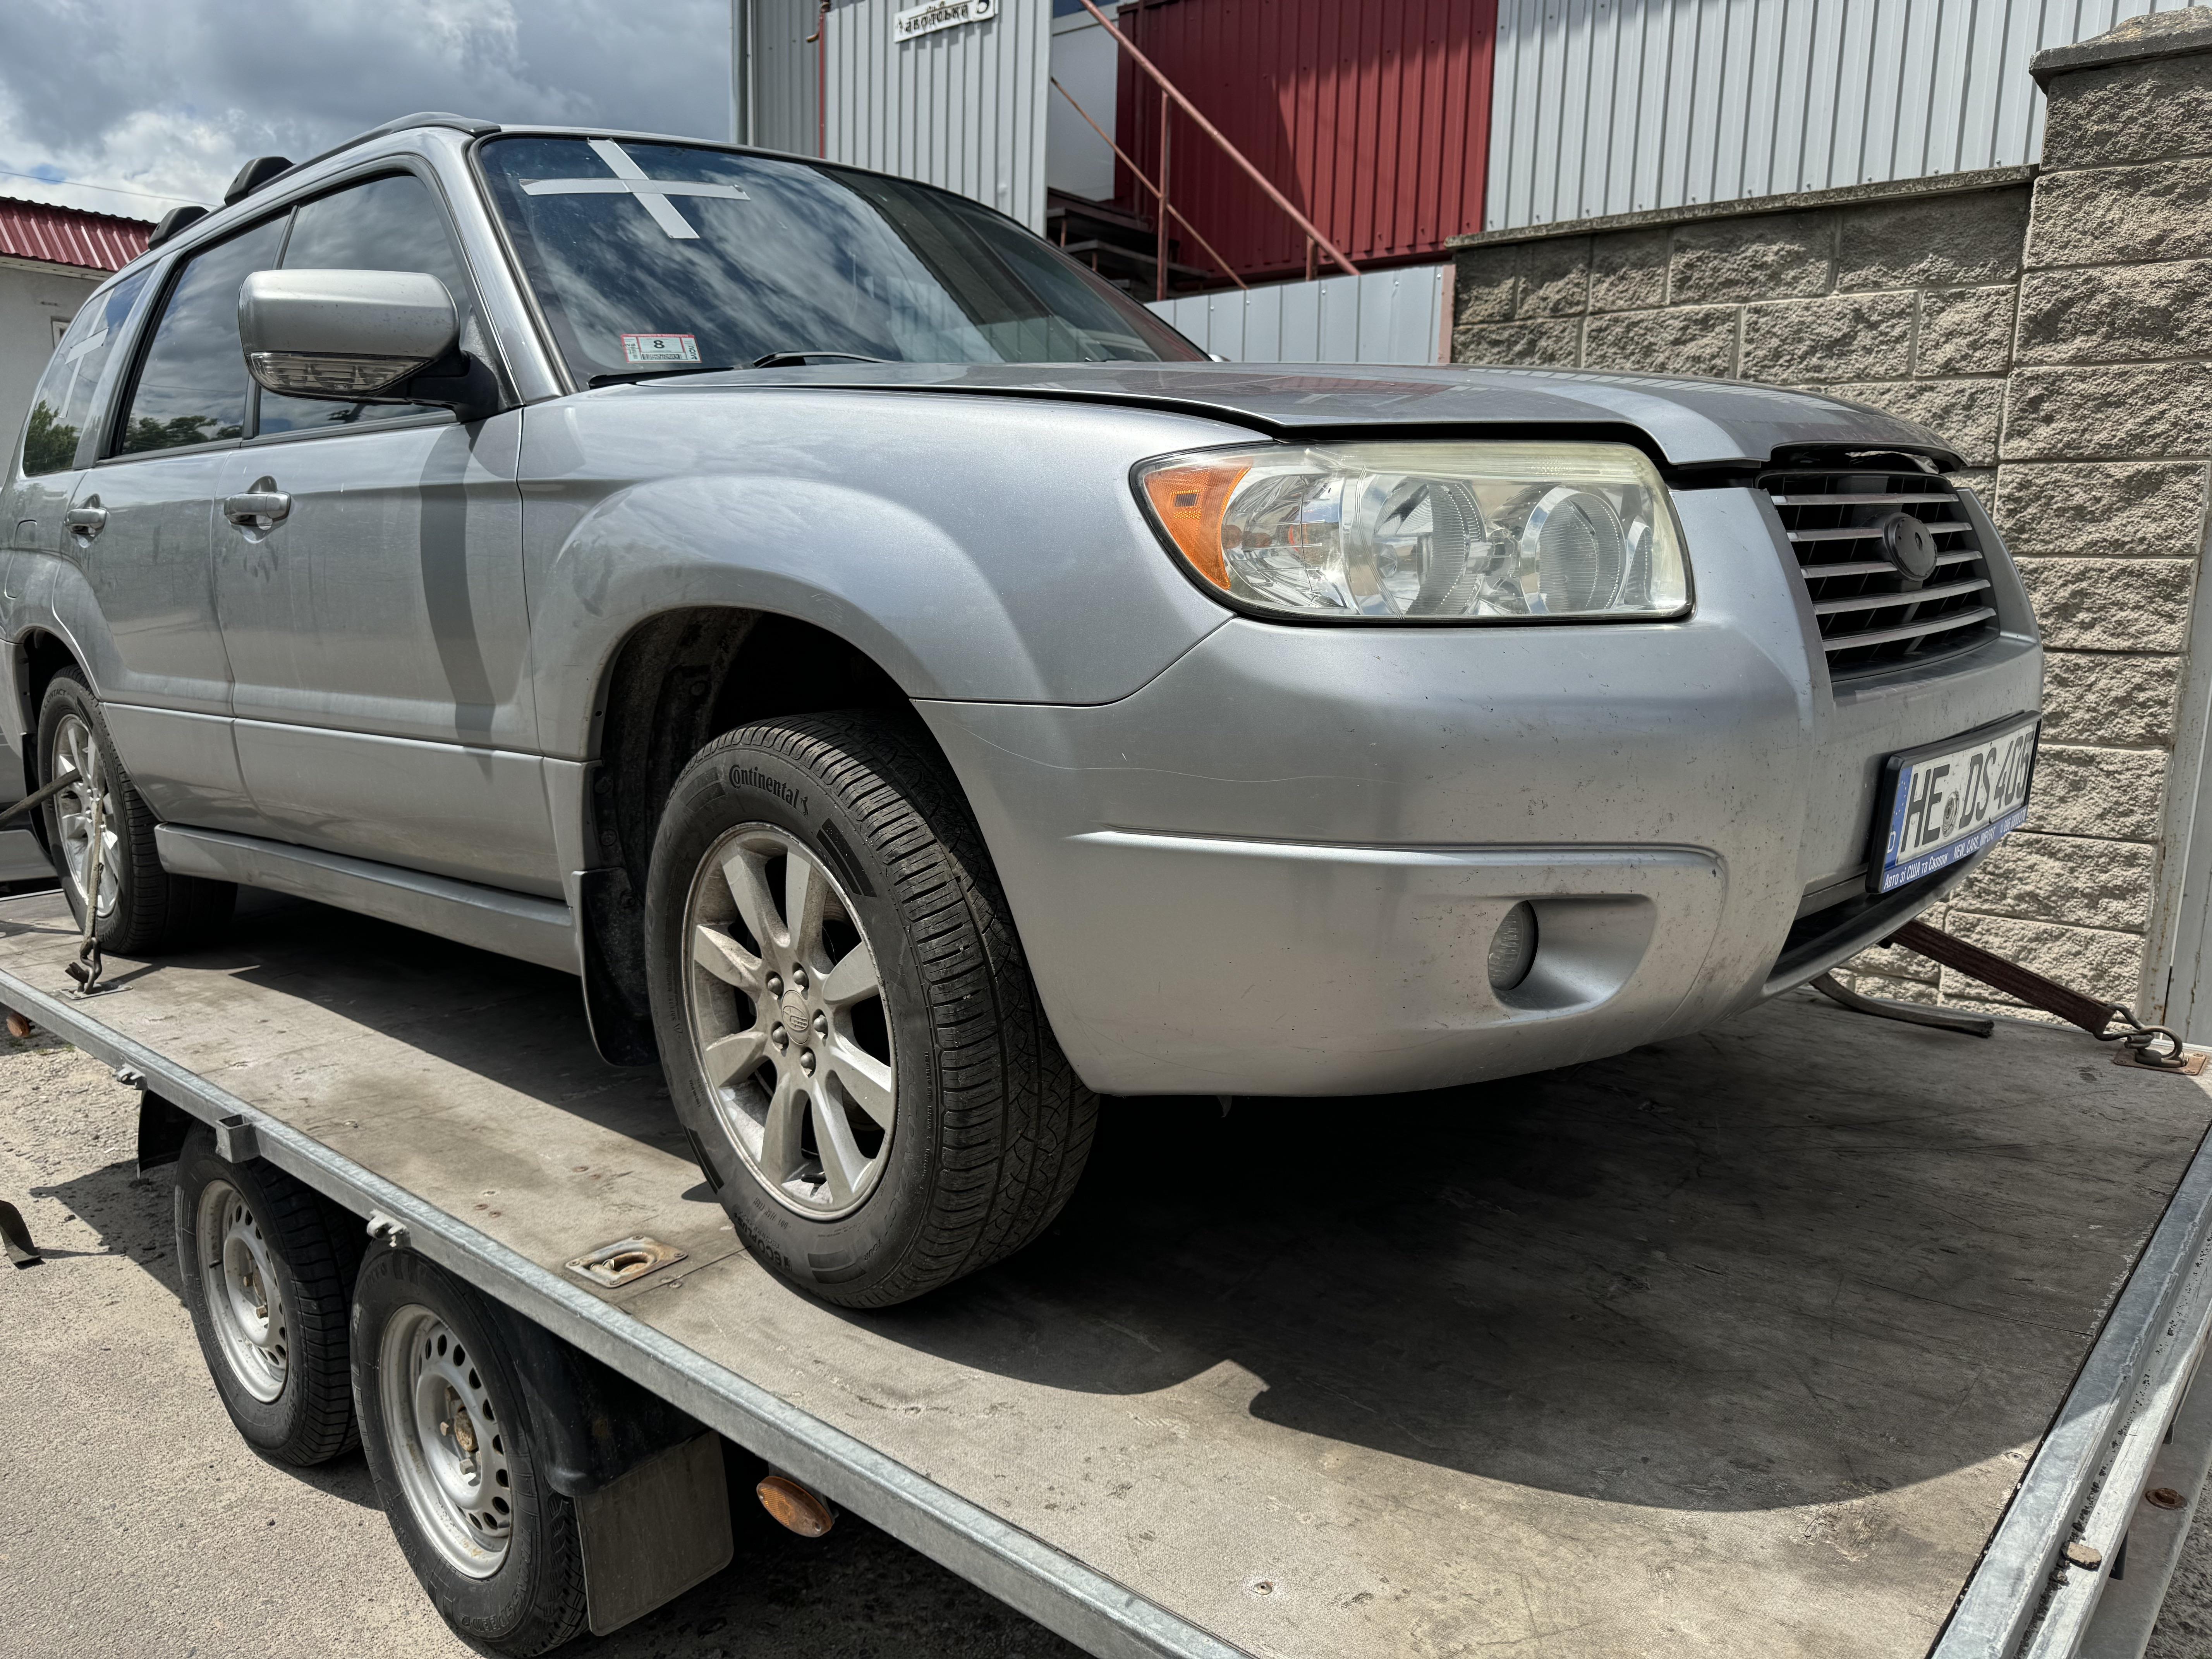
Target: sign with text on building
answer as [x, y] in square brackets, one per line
[917, 20]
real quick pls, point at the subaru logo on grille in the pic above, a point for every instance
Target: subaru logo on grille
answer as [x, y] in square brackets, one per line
[1910, 546]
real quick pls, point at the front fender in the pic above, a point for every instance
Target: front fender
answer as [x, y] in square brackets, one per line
[975, 550]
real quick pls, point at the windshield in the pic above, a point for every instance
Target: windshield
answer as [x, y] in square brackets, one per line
[648, 257]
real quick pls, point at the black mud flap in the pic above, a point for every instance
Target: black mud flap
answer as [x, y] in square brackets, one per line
[653, 1502]
[614, 968]
[161, 1131]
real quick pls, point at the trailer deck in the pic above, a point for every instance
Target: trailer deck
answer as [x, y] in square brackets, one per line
[1775, 1339]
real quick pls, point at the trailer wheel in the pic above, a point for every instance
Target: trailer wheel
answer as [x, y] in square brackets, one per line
[446, 1427]
[268, 1267]
[849, 1029]
[141, 908]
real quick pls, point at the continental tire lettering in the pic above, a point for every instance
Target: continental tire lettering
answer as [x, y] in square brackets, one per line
[748, 777]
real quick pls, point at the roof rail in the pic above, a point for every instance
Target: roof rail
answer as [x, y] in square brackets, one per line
[430, 117]
[254, 174]
[173, 221]
[468, 123]
[266, 170]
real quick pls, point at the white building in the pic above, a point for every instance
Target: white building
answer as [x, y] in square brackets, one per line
[51, 260]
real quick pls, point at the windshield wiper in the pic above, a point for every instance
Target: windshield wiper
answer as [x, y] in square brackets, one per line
[800, 358]
[627, 376]
[773, 360]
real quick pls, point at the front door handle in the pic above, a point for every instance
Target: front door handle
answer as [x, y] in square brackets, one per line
[262, 508]
[84, 522]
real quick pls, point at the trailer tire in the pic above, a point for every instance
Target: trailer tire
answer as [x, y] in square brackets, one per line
[424, 1343]
[959, 1127]
[280, 1367]
[151, 910]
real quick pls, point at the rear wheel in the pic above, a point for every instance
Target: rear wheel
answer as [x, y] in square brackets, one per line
[849, 1029]
[446, 1425]
[141, 908]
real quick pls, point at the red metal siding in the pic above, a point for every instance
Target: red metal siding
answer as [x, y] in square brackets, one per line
[1372, 115]
[64, 236]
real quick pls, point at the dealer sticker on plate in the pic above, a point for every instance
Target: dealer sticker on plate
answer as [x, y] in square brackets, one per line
[660, 348]
[1948, 800]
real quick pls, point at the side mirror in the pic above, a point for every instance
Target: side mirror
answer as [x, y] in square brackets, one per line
[359, 336]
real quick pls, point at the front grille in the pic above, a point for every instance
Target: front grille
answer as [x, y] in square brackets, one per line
[1872, 614]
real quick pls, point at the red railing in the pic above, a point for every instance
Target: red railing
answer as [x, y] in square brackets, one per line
[1172, 98]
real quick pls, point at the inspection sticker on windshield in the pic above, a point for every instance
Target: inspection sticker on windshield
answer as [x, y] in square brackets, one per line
[1948, 800]
[660, 348]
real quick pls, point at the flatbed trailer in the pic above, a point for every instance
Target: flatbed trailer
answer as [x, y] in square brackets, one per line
[1809, 1335]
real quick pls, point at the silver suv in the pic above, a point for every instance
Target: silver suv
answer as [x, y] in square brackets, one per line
[914, 688]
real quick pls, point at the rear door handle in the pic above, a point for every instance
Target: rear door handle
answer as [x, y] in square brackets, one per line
[85, 521]
[257, 509]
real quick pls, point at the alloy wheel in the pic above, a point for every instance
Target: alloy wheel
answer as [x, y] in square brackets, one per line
[784, 1000]
[78, 754]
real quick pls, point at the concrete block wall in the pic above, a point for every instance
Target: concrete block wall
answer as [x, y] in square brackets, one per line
[1906, 303]
[2059, 335]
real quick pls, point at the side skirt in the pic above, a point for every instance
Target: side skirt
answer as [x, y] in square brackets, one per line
[534, 929]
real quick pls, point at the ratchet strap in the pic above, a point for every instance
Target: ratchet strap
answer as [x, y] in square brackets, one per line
[37, 797]
[21, 1250]
[2151, 1045]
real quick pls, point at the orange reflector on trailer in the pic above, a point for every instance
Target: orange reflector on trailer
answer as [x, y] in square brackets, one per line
[794, 1507]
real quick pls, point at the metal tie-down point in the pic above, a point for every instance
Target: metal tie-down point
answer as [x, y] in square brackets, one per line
[624, 1260]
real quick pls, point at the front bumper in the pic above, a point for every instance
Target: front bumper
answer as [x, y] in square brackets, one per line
[1277, 868]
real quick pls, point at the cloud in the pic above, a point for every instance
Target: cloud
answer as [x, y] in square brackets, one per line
[132, 106]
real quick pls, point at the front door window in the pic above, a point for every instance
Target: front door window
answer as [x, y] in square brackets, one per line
[193, 385]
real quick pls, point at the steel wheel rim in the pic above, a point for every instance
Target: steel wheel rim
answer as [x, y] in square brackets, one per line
[76, 753]
[448, 1445]
[244, 1292]
[784, 1002]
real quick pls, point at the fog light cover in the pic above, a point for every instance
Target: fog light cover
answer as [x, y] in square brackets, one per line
[1443, 532]
[1513, 947]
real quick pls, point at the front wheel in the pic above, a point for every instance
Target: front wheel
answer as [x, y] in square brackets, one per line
[851, 1036]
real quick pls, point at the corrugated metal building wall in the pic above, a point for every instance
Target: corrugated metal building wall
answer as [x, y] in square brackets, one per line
[963, 107]
[1605, 107]
[1401, 316]
[1370, 116]
[784, 77]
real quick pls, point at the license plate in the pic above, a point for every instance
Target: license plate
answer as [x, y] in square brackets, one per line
[1947, 801]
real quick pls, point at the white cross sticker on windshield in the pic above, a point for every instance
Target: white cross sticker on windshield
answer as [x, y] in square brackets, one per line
[630, 180]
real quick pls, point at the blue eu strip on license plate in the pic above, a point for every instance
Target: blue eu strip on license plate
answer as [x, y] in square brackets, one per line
[1948, 800]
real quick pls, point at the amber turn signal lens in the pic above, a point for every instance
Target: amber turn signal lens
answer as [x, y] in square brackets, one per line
[1191, 502]
[795, 1507]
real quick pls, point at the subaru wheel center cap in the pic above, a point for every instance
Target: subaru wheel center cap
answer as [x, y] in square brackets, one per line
[1910, 546]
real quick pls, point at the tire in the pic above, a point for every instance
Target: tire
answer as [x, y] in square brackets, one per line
[988, 1127]
[436, 1393]
[280, 1366]
[145, 909]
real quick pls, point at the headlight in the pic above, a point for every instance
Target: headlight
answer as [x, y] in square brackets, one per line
[1425, 532]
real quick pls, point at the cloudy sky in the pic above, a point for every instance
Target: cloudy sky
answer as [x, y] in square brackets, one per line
[132, 107]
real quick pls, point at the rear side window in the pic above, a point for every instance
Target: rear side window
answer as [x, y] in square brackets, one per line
[193, 385]
[62, 406]
[387, 224]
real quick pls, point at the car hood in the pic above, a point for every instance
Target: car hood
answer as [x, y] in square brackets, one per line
[1694, 423]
